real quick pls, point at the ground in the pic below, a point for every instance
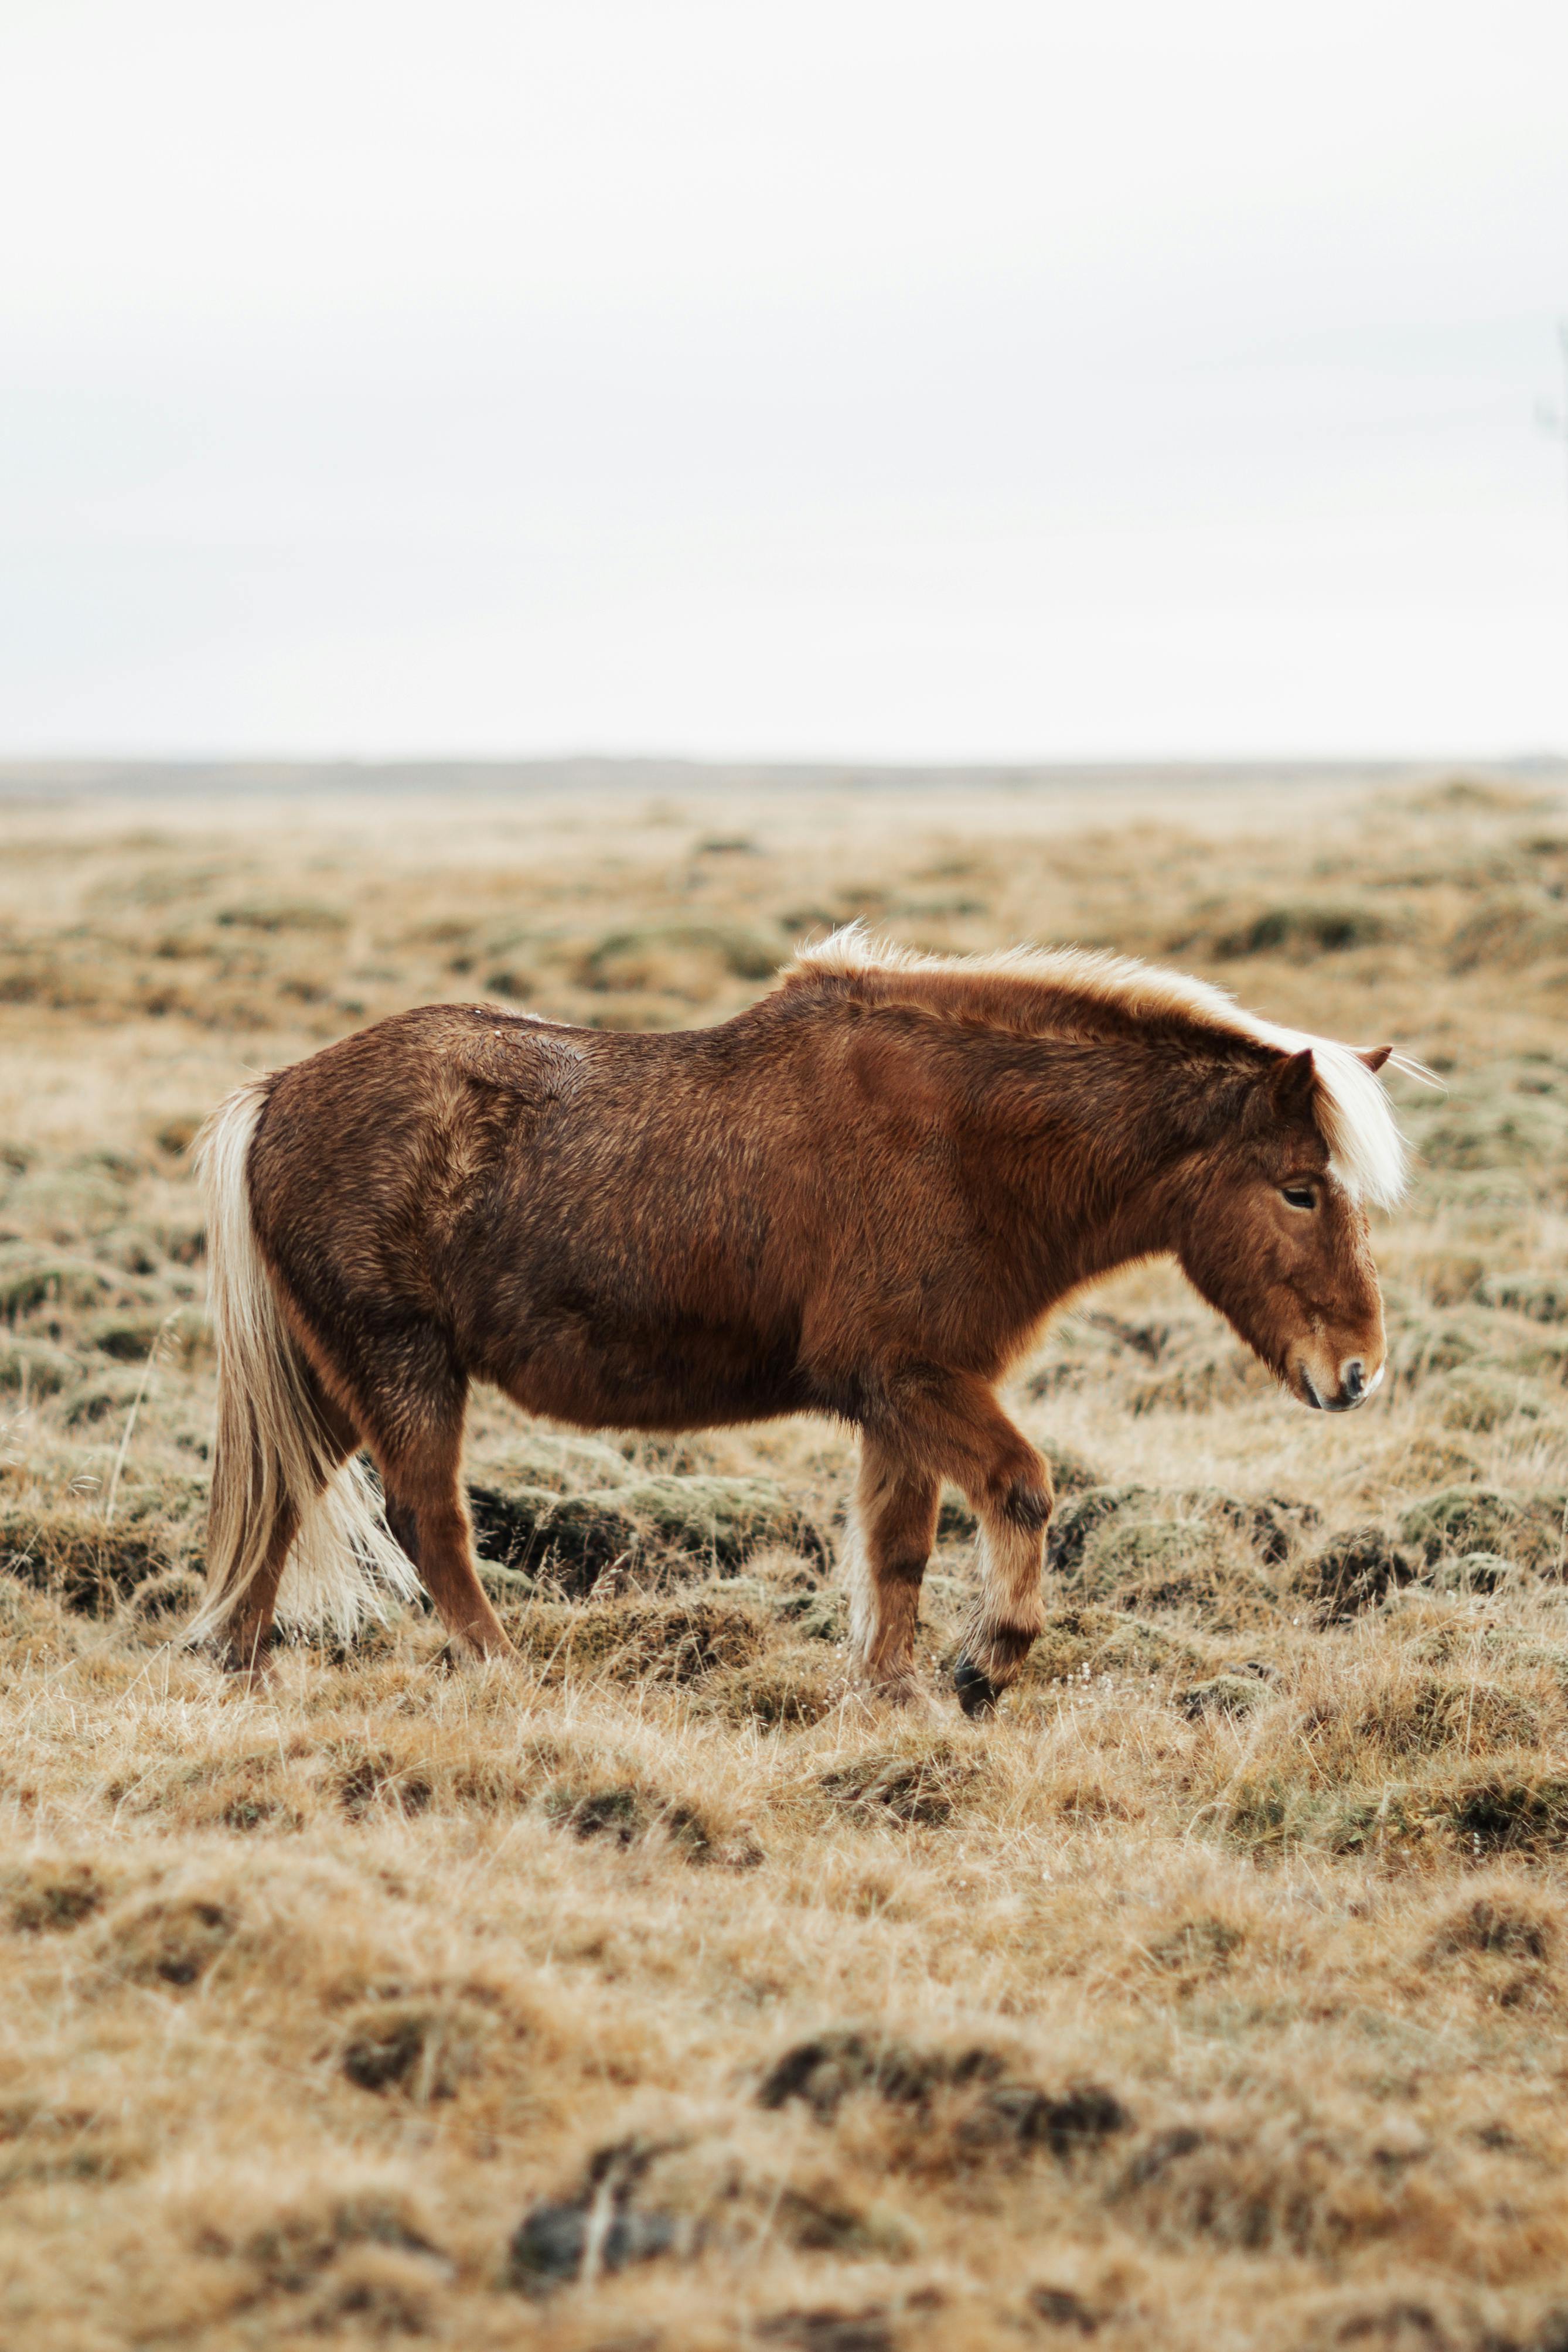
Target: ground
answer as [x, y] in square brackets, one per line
[649, 1992]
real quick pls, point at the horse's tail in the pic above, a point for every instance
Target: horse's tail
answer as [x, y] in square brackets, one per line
[274, 1459]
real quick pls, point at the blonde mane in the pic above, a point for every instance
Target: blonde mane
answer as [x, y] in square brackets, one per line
[1038, 991]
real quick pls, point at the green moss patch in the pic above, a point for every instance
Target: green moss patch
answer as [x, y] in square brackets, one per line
[718, 1522]
[1522, 1527]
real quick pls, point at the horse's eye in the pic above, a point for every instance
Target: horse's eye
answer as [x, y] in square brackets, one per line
[1299, 1196]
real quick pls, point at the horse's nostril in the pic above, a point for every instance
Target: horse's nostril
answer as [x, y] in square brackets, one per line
[1354, 1377]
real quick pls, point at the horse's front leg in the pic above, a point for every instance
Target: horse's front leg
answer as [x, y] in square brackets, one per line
[891, 1529]
[1010, 1610]
[952, 1422]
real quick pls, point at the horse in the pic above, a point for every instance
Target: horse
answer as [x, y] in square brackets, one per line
[861, 1197]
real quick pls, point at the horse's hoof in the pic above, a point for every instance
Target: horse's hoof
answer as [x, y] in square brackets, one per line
[977, 1694]
[908, 1697]
[459, 1655]
[873, 1695]
[245, 1670]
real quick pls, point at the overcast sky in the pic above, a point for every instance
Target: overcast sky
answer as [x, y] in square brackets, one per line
[783, 377]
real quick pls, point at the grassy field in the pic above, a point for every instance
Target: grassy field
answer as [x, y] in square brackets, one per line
[651, 1993]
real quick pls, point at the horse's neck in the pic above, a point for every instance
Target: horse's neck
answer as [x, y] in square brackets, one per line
[1105, 1195]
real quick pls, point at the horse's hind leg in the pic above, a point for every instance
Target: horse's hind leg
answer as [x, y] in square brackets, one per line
[892, 1533]
[248, 1635]
[395, 1375]
[426, 1513]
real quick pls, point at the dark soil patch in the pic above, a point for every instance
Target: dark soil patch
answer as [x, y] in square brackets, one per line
[575, 1538]
[1354, 1571]
[291, 2253]
[922, 1790]
[620, 1814]
[830, 2330]
[422, 2049]
[823, 2073]
[370, 1781]
[599, 2225]
[172, 1942]
[1490, 1925]
[1058, 2307]
[1017, 2118]
[1502, 1814]
[42, 1897]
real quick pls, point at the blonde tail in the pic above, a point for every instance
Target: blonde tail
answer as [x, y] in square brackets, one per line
[272, 1453]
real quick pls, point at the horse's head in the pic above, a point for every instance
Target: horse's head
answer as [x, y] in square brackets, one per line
[1273, 1227]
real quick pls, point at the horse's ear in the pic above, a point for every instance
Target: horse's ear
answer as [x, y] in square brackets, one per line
[1374, 1057]
[1292, 1085]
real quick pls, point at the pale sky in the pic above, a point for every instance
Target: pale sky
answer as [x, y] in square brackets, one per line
[782, 378]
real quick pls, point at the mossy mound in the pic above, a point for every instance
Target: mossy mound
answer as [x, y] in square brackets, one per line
[1085, 1640]
[922, 1776]
[35, 1367]
[1524, 1811]
[1222, 1695]
[108, 1395]
[533, 1530]
[1482, 1399]
[92, 1565]
[1302, 929]
[1267, 1527]
[31, 1277]
[727, 1518]
[1543, 1297]
[785, 1687]
[1444, 1711]
[1071, 1473]
[562, 1464]
[1354, 1571]
[1509, 930]
[1517, 1132]
[129, 1334]
[281, 915]
[634, 1638]
[719, 1522]
[652, 955]
[1474, 1572]
[1149, 1563]
[1528, 1528]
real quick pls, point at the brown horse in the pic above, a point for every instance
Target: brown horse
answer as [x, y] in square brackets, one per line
[860, 1197]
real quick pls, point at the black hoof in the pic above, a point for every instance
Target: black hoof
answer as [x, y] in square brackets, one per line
[977, 1694]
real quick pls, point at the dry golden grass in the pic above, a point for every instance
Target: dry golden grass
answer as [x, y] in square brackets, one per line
[648, 1993]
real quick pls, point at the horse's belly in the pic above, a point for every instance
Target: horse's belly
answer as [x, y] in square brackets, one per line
[680, 1382]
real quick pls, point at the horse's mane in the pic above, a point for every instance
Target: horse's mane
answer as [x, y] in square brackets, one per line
[1063, 992]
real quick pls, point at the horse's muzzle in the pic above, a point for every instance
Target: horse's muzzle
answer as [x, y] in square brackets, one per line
[1355, 1388]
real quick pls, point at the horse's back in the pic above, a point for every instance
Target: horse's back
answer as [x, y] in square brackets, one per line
[458, 1128]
